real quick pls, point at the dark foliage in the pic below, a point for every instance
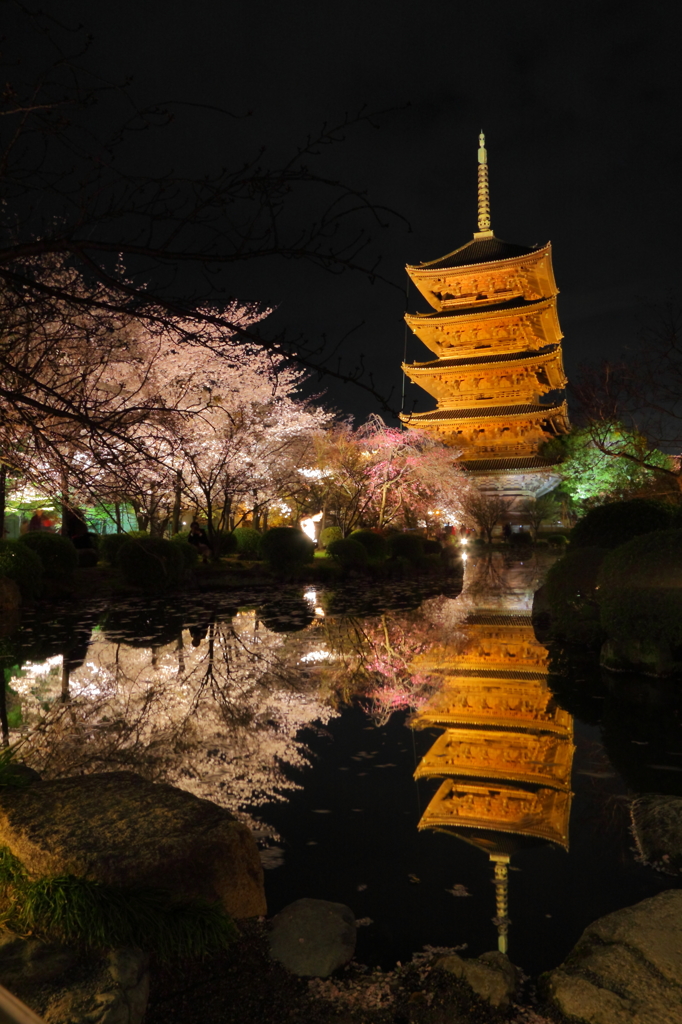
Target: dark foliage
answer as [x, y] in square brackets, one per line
[57, 554]
[348, 552]
[111, 544]
[609, 526]
[151, 563]
[87, 558]
[189, 552]
[19, 563]
[640, 591]
[248, 541]
[432, 547]
[223, 543]
[374, 544]
[329, 534]
[285, 548]
[571, 592]
[406, 545]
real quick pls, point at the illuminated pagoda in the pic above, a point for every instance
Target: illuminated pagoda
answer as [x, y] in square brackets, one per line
[495, 335]
[506, 751]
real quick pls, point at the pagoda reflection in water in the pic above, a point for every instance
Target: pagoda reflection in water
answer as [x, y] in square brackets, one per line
[506, 750]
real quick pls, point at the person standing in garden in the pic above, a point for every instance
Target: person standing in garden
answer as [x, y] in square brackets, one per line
[198, 539]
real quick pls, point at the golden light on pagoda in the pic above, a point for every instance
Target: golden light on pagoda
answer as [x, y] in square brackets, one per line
[494, 331]
[506, 750]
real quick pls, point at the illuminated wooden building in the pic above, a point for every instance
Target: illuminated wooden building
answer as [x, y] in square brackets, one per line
[494, 332]
[506, 751]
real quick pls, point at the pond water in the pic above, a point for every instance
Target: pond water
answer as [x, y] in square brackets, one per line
[310, 712]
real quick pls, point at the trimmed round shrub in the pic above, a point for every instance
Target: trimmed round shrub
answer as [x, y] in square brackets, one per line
[151, 563]
[557, 540]
[248, 541]
[19, 563]
[87, 558]
[406, 545]
[224, 543]
[432, 547]
[57, 554]
[190, 555]
[572, 597]
[285, 547]
[374, 544]
[329, 534]
[640, 590]
[609, 526]
[111, 544]
[349, 553]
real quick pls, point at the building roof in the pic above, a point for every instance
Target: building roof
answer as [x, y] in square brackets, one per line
[480, 250]
[527, 462]
[479, 307]
[504, 357]
[485, 412]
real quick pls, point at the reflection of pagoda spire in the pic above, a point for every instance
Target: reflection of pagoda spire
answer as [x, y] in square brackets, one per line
[506, 750]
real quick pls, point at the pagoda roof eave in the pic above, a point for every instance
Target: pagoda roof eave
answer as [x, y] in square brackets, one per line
[518, 465]
[501, 311]
[435, 267]
[478, 363]
[487, 413]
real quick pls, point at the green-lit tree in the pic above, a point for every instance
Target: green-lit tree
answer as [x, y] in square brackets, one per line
[607, 462]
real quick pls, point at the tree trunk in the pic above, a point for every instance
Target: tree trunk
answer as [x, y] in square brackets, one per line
[117, 511]
[177, 503]
[64, 480]
[3, 711]
[3, 491]
[66, 672]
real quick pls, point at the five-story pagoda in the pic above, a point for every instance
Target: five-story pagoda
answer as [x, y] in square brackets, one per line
[495, 333]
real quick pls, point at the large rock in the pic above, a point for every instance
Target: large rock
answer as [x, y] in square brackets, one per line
[626, 967]
[312, 938]
[657, 828]
[118, 828]
[491, 976]
[65, 987]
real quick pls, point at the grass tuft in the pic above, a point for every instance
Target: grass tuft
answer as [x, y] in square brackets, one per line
[94, 915]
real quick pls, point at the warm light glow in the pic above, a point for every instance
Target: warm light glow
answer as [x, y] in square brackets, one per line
[311, 595]
[308, 525]
[319, 612]
[464, 540]
[313, 656]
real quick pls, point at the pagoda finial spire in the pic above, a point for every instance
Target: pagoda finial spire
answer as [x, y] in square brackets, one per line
[484, 229]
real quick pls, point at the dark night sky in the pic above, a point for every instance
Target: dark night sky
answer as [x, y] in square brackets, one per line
[579, 102]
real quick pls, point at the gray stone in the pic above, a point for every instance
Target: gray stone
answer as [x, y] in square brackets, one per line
[118, 828]
[491, 976]
[312, 938]
[115, 993]
[64, 986]
[26, 964]
[626, 967]
[657, 828]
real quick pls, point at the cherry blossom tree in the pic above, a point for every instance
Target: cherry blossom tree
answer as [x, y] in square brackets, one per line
[384, 476]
